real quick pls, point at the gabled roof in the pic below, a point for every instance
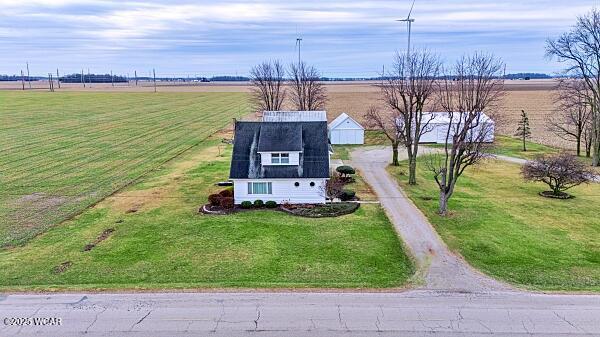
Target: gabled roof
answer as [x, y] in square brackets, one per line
[294, 116]
[314, 156]
[341, 119]
[280, 137]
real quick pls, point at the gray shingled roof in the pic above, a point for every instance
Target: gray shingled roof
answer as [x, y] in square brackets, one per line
[280, 137]
[250, 136]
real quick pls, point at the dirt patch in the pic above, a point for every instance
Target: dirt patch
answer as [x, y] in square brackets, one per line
[61, 268]
[105, 234]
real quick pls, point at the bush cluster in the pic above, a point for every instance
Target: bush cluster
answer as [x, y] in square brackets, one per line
[227, 202]
[223, 199]
[258, 204]
[214, 199]
[246, 204]
[347, 194]
[271, 204]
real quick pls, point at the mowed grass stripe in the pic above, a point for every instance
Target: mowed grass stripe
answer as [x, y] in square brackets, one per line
[107, 130]
[92, 155]
[80, 178]
[85, 172]
[65, 125]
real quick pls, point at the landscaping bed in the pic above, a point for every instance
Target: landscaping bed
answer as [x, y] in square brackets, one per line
[321, 210]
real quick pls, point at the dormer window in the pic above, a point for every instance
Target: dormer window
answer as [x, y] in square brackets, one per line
[280, 158]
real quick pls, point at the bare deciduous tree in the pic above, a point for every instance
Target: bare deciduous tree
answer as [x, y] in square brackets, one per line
[307, 91]
[474, 87]
[560, 172]
[268, 89]
[405, 91]
[388, 124]
[333, 188]
[580, 50]
[573, 121]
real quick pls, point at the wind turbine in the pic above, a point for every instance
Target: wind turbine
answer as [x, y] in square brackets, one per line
[409, 21]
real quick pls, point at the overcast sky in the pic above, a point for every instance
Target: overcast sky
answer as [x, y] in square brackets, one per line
[342, 38]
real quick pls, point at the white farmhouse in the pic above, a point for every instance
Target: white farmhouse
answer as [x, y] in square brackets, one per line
[439, 123]
[285, 162]
[345, 130]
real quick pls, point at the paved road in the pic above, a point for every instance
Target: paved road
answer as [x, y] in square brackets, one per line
[441, 269]
[411, 313]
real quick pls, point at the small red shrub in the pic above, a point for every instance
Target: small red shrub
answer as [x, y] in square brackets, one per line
[228, 193]
[227, 202]
[215, 199]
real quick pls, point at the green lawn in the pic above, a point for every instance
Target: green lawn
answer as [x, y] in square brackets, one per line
[513, 147]
[64, 151]
[165, 243]
[372, 137]
[502, 227]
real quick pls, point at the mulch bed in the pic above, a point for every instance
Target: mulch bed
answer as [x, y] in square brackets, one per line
[321, 210]
[550, 194]
[305, 210]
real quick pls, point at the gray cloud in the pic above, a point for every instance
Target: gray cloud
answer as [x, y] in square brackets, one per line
[344, 38]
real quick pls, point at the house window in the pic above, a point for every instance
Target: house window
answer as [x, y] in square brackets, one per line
[280, 158]
[260, 188]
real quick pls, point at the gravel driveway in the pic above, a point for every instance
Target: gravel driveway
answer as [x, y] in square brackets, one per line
[438, 266]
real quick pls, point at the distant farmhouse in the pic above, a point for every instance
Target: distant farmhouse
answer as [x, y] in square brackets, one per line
[285, 162]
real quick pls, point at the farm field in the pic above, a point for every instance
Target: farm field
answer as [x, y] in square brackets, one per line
[62, 152]
[535, 97]
[157, 240]
[503, 227]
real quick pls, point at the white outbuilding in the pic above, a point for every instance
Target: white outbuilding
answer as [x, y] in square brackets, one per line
[345, 130]
[294, 116]
[439, 122]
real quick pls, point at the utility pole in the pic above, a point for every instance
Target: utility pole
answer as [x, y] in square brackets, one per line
[135, 74]
[82, 78]
[57, 78]
[154, 76]
[112, 79]
[50, 82]
[299, 42]
[89, 78]
[28, 78]
[22, 80]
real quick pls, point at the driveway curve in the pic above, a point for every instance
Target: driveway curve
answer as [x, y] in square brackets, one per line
[440, 268]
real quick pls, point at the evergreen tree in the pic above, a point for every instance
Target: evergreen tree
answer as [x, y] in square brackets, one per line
[524, 131]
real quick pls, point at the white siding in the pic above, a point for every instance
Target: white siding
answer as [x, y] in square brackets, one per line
[265, 158]
[283, 191]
